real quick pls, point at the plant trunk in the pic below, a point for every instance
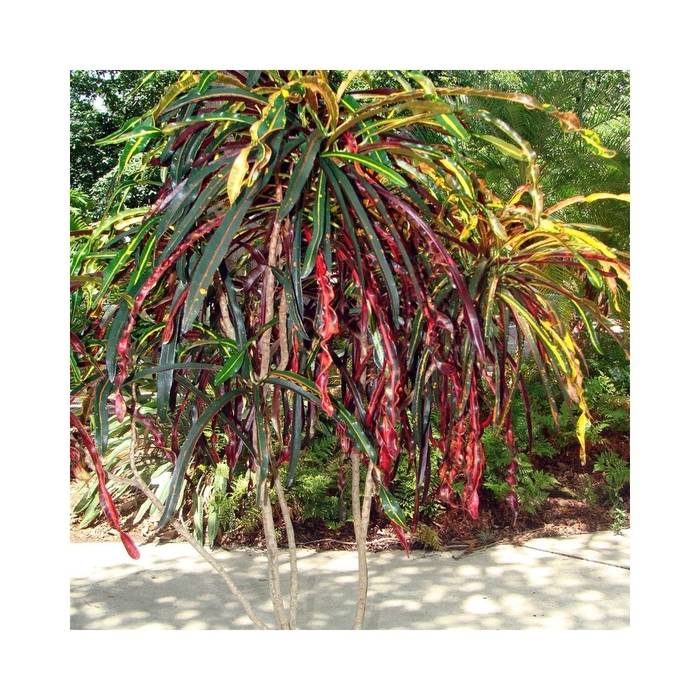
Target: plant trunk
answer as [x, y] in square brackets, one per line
[360, 517]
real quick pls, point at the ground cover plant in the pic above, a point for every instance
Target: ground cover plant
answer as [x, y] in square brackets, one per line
[323, 252]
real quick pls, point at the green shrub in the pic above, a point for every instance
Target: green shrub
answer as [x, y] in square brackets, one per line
[532, 485]
[315, 493]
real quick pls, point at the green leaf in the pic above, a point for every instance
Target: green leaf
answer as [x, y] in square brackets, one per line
[274, 117]
[207, 77]
[134, 128]
[133, 146]
[102, 392]
[241, 338]
[212, 255]
[225, 93]
[294, 307]
[328, 169]
[123, 255]
[321, 221]
[212, 526]
[461, 176]
[302, 170]
[391, 175]
[452, 125]
[156, 369]
[391, 507]
[504, 147]
[425, 82]
[295, 438]
[253, 77]
[219, 116]
[186, 80]
[231, 366]
[418, 396]
[198, 519]
[594, 145]
[164, 380]
[262, 435]
[122, 218]
[160, 493]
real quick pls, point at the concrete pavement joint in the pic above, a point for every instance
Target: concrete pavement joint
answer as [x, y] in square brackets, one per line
[573, 556]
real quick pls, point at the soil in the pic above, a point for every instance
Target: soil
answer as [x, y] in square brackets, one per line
[565, 512]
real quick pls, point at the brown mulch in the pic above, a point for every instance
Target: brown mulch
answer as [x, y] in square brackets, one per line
[564, 513]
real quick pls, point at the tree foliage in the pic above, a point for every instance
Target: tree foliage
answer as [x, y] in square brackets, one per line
[100, 102]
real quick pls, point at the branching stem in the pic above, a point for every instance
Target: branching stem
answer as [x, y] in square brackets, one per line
[141, 485]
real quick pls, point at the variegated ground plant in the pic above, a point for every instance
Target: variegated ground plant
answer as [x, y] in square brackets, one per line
[320, 247]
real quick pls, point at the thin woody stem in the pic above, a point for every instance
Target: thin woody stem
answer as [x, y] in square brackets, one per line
[272, 558]
[360, 516]
[141, 485]
[291, 542]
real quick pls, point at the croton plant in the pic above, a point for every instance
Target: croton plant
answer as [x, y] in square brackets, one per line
[321, 246]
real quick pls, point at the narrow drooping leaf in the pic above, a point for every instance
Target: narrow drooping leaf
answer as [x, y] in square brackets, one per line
[301, 172]
[309, 390]
[101, 417]
[106, 502]
[213, 254]
[392, 508]
[231, 366]
[504, 147]
[295, 438]
[376, 246]
[321, 224]
[186, 452]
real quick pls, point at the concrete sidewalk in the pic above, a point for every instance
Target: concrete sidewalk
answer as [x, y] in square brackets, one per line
[581, 582]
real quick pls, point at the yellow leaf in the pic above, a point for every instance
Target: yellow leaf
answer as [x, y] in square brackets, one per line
[581, 426]
[238, 173]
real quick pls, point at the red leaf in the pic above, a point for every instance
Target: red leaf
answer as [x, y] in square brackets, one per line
[108, 507]
[402, 538]
[473, 504]
[131, 549]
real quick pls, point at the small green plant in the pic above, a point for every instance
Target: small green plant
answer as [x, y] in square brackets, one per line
[532, 485]
[225, 505]
[311, 496]
[609, 408]
[236, 509]
[404, 489]
[315, 493]
[617, 475]
[588, 492]
[620, 519]
[428, 537]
